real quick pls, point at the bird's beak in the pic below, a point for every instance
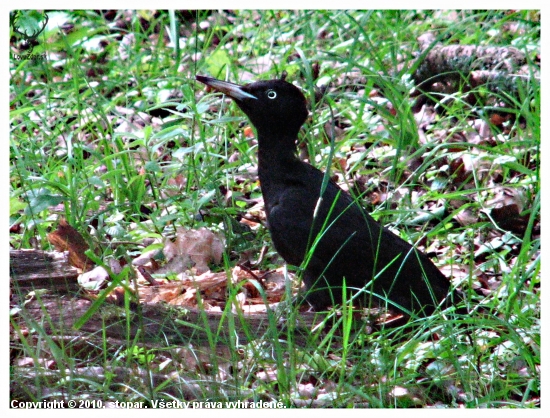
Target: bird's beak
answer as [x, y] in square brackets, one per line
[232, 90]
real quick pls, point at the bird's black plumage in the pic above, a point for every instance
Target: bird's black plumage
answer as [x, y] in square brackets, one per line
[342, 241]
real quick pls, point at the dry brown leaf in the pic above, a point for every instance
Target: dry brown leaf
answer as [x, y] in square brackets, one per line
[66, 238]
[506, 196]
[192, 248]
[508, 218]
[508, 204]
[162, 293]
[213, 290]
[93, 279]
[466, 216]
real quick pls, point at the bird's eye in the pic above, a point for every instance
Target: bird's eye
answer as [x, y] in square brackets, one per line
[271, 94]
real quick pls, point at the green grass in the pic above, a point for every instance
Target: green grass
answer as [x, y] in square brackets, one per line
[85, 144]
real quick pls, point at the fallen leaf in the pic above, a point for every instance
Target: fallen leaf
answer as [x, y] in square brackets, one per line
[66, 238]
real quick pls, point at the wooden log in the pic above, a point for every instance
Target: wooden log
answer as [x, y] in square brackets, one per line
[159, 322]
[32, 268]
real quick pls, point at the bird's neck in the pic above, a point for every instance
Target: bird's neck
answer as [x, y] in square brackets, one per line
[276, 153]
[277, 163]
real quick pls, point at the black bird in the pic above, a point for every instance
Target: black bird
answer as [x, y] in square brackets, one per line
[328, 233]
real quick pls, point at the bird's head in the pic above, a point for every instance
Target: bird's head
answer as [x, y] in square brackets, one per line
[273, 106]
